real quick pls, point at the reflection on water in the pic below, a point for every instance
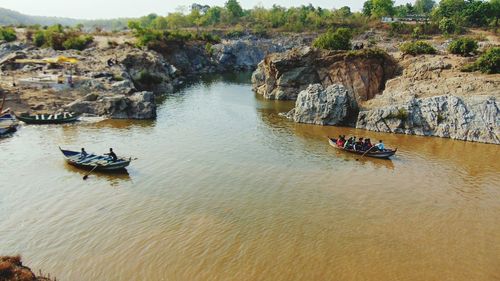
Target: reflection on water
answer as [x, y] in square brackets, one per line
[226, 189]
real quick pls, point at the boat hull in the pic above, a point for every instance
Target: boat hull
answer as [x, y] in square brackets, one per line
[46, 119]
[378, 154]
[95, 162]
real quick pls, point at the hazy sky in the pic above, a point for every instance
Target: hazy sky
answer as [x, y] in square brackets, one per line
[95, 9]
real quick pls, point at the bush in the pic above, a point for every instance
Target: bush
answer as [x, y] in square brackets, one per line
[417, 48]
[448, 26]
[209, 49]
[489, 62]
[338, 40]
[146, 78]
[39, 39]
[399, 28]
[8, 34]
[463, 46]
[78, 42]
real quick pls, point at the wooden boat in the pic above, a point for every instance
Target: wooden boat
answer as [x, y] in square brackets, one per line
[7, 124]
[57, 118]
[376, 154]
[91, 161]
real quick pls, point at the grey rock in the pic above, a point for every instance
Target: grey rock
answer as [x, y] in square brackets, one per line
[123, 87]
[139, 105]
[474, 118]
[330, 106]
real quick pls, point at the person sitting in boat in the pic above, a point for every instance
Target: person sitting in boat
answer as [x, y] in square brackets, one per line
[380, 145]
[359, 144]
[341, 141]
[367, 145]
[349, 143]
[83, 154]
[112, 155]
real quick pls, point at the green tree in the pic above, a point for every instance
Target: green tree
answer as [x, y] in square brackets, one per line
[448, 26]
[382, 8]
[495, 10]
[424, 6]
[367, 8]
[234, 8]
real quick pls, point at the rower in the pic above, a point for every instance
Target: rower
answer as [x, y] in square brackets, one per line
[83, 154]
[112, 155]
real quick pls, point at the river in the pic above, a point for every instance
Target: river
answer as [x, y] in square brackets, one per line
[226, 189]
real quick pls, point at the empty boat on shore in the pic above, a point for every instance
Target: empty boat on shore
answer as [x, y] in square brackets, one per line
[94, 162]
[57, 118]
[385, 154]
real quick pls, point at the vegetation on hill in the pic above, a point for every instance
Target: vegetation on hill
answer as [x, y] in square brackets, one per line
[464, 46]
[489, 62]
[59, 38]
[8, 34]
[417, 48]
[338, 40]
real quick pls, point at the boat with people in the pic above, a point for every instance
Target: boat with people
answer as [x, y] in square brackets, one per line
[56, 118]
[89, 161]
[362, 148]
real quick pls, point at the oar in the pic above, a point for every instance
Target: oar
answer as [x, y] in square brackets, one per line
[87, 175]
[365, 153]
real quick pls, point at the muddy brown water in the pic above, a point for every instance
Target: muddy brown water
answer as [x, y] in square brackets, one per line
[226, 189]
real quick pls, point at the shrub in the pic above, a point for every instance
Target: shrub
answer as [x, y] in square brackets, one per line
[489, 62]
[417, 48]
[8, 34]
[399, 28]
[146, 78]
[338, 40]
[448, 26]
[78, 42]
[463, 46]
[209, 49]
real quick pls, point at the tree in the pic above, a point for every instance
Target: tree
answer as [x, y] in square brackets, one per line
[424, 6]
[367, 8]
[476, 13]
[345, 12]
[495, 10]
[234, 8]
[382, 8]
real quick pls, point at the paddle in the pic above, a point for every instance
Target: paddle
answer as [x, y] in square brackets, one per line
[87, 175]
[365, 153]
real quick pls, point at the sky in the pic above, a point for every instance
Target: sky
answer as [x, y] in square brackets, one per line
[105, 9]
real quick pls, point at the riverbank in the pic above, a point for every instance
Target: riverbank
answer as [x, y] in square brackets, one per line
[116, 79]
[386, 91]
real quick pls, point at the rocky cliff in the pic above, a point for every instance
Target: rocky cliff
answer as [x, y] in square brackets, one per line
[283, 75]
[475, 118]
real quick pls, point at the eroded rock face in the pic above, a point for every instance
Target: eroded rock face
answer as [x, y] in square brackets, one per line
[331, 106]
[140, 105]
[475, 118]
[246, 53]
[285, 75]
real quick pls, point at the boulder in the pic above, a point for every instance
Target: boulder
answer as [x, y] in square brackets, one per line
[285, 75]
[475, 118]
[123, 87]
[331, 106]
[140, 105]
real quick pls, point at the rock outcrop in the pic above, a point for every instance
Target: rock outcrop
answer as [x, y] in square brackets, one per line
[246, 53]
[330, 106]
[140, 105]
[284, 75]
[475, 118]
[12, 269]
